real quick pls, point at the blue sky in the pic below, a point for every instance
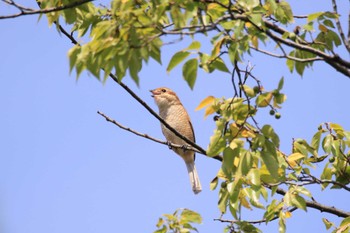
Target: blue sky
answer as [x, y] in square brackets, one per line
[63, 168]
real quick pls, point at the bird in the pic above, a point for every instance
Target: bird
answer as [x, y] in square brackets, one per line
[173, 112]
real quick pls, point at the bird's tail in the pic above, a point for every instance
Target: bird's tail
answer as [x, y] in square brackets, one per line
[192, 172]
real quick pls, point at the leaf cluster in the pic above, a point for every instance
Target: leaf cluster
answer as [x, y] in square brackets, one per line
[179, 222]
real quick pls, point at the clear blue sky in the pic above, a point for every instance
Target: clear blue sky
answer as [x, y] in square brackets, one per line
[64, 169]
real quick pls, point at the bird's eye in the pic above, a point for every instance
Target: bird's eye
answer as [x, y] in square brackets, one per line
[163, 90]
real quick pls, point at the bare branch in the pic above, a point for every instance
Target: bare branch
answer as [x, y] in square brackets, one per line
[313, 180]
[29, 11]
[146, 135]
[339, 27]
[286, 56]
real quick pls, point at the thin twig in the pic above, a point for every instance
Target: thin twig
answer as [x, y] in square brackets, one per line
[287, 56]
[252, 221]
[316, 205]
[146, 135]
[29, 11]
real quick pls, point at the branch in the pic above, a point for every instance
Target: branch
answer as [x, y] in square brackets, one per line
[339, 27]
[252, 221]
[318, 206]
[146, 135]
[335, 61]
[148, 108]
[29, 11]
[313, 180]
[286, 56]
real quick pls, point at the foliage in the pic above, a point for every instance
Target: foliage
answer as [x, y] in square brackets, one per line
[130, 33]
[255, 173]
[178, 222]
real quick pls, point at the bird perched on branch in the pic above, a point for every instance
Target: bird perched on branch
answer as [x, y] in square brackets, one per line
[173, 112]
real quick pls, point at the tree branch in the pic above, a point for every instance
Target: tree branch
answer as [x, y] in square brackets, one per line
[318, 206]
[286, 56]
[148, 108]
[339, 27]
[252, 221]
[146, 135]
[29, 11]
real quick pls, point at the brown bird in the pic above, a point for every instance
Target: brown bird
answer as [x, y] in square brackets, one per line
[174, 113]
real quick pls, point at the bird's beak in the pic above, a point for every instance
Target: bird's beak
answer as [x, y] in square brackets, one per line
[154, 92]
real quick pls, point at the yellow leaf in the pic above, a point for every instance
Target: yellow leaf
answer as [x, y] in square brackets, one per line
[211, 6]
[245, 203]
[295, 156]
[288, 214]
[247, 134]
[264, 100]
[221, 174]
[255, 42]
[236, 161]
[323, 28]
[208, 111]
[234, 129]
[210, 99]
[248, 24]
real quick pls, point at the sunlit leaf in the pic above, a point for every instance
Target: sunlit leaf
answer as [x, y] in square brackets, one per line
[271, 162]
[264, 99]
[190, 216]
[189, 71]
[214, 183]
[313, 16]
[177, 59]
[195, 45]
[327, 223]
[208, 100]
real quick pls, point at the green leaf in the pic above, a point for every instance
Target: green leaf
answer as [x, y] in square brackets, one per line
[271, 162]
[298, 202]
[326, 175]
[282, 222]
[269, 133]
[219, 64]
[315, 142]
[246, 163]
[249, 91]
[214, 183]
[264, 99]
[327, 223]
[223, 197]
[217, 144]
[189, 71]
[73, 56]
[256, 19]
[177, 59]
[344, 225]
[327, 143]
[280, 84]
[195, 45]
[312, 17]
[254, 177]
[190, 216]
[228, 158]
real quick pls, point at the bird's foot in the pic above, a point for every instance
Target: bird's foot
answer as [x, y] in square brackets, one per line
[184, 148]
[169, 145]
